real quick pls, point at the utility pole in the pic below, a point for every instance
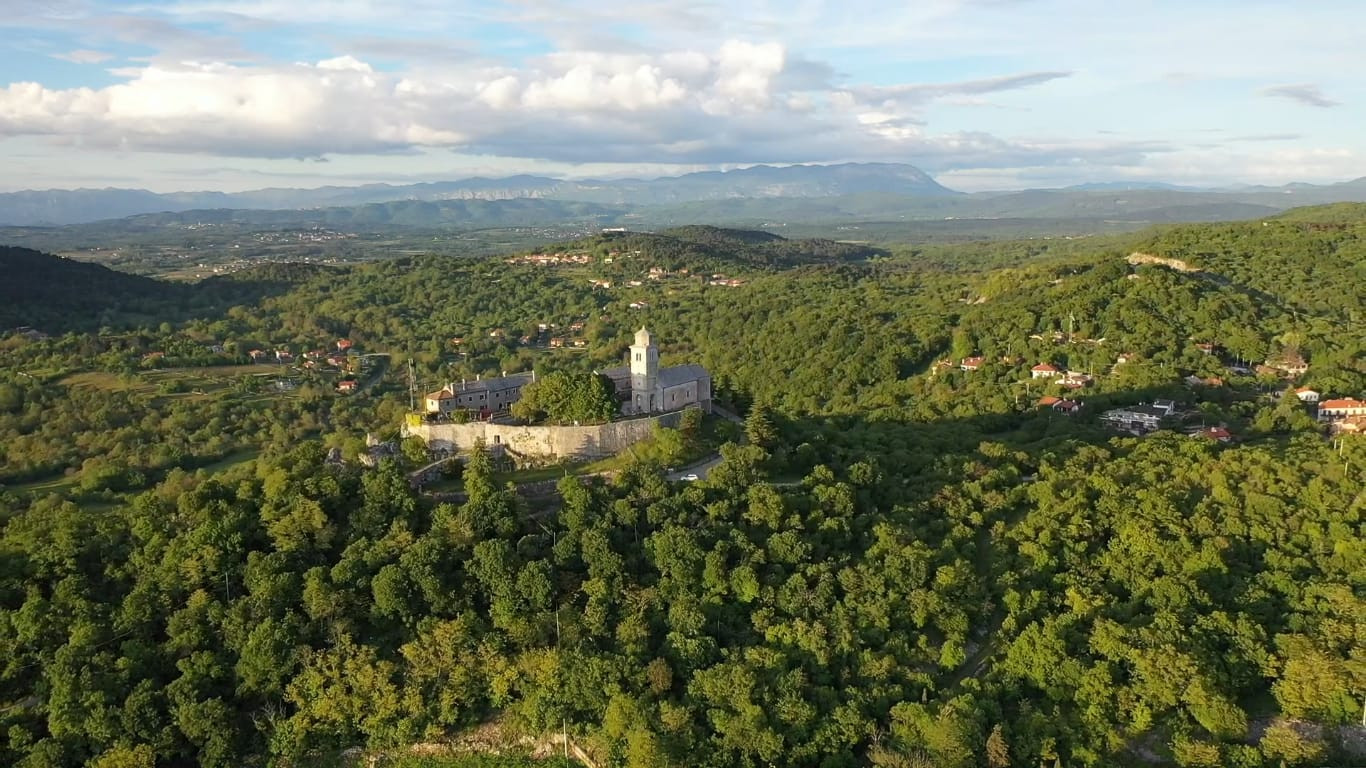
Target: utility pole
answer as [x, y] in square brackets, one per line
[412, 385]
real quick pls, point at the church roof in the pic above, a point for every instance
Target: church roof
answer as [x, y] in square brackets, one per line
[681, 374]
[642, 337]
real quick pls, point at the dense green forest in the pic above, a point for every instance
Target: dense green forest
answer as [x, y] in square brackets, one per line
[903, 564]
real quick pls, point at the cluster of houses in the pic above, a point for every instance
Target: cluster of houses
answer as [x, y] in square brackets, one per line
[1338, 415]
[313, 358]
[542, 336]
[1066, 379]
[345, 358]
[551, 259]
[1046, 371]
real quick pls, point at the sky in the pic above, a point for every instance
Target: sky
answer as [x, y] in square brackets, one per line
[982, 94]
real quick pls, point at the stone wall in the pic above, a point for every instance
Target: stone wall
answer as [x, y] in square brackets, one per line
[544, 441]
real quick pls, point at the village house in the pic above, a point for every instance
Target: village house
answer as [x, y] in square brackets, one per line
[257, 355]
[1060, 405]
[348, 386]
[1044, 371]
[1332, 411]
[481, 397]
[1307, 395]
[1075, 380]
[647, 388]
[344, 344]
[1140, 419]
[1288, 365]
[1217, 434]
[971, 363]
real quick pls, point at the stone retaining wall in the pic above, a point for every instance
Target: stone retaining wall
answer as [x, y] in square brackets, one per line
[546, 442]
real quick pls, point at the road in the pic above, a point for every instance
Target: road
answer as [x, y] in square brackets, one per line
[705, 466]
[701, 469]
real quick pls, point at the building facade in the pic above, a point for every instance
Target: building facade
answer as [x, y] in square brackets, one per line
[645, 387]
[480, 398]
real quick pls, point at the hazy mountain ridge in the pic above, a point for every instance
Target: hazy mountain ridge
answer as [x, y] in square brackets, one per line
[753, 196]
[61, 207]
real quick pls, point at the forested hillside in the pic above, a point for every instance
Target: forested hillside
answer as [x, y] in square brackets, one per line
[905, 562]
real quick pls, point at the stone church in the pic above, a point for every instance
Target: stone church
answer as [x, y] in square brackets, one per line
[646, 388]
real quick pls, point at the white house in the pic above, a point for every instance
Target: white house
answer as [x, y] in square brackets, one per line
[1140, 419]
[1044, 371]
[1307, 395]
[1339, 410]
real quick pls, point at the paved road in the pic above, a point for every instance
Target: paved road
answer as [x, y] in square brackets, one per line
[705, 466]
[701, 468]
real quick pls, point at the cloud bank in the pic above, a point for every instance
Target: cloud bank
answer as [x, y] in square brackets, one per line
[739, 102]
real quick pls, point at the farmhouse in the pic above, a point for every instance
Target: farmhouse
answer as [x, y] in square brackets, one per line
[1044, 371]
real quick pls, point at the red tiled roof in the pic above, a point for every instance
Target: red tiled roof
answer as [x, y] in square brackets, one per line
[1041, 367]
[1329, 405]
[1049, 400]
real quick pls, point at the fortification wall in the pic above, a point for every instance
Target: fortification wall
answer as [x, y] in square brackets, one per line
[548, 442]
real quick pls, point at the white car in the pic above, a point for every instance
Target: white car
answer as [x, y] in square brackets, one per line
[690, 477]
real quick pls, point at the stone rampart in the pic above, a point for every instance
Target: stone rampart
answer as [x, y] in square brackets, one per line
[540, 441]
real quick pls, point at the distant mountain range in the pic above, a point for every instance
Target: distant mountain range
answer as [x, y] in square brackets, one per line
[758, 195]
[61, 207]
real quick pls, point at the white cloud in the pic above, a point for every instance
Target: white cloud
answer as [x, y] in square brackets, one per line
[735, 104]
[83, 56]
[1305, 93]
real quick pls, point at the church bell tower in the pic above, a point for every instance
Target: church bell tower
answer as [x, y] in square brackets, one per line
[644, 374]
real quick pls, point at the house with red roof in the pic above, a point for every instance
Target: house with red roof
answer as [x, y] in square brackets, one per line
[1067, 407]
[1331, 411]
[1044, 371]
[971, 363]
[1218, 434]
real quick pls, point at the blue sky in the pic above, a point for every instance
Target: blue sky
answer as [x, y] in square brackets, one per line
[984, 94]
